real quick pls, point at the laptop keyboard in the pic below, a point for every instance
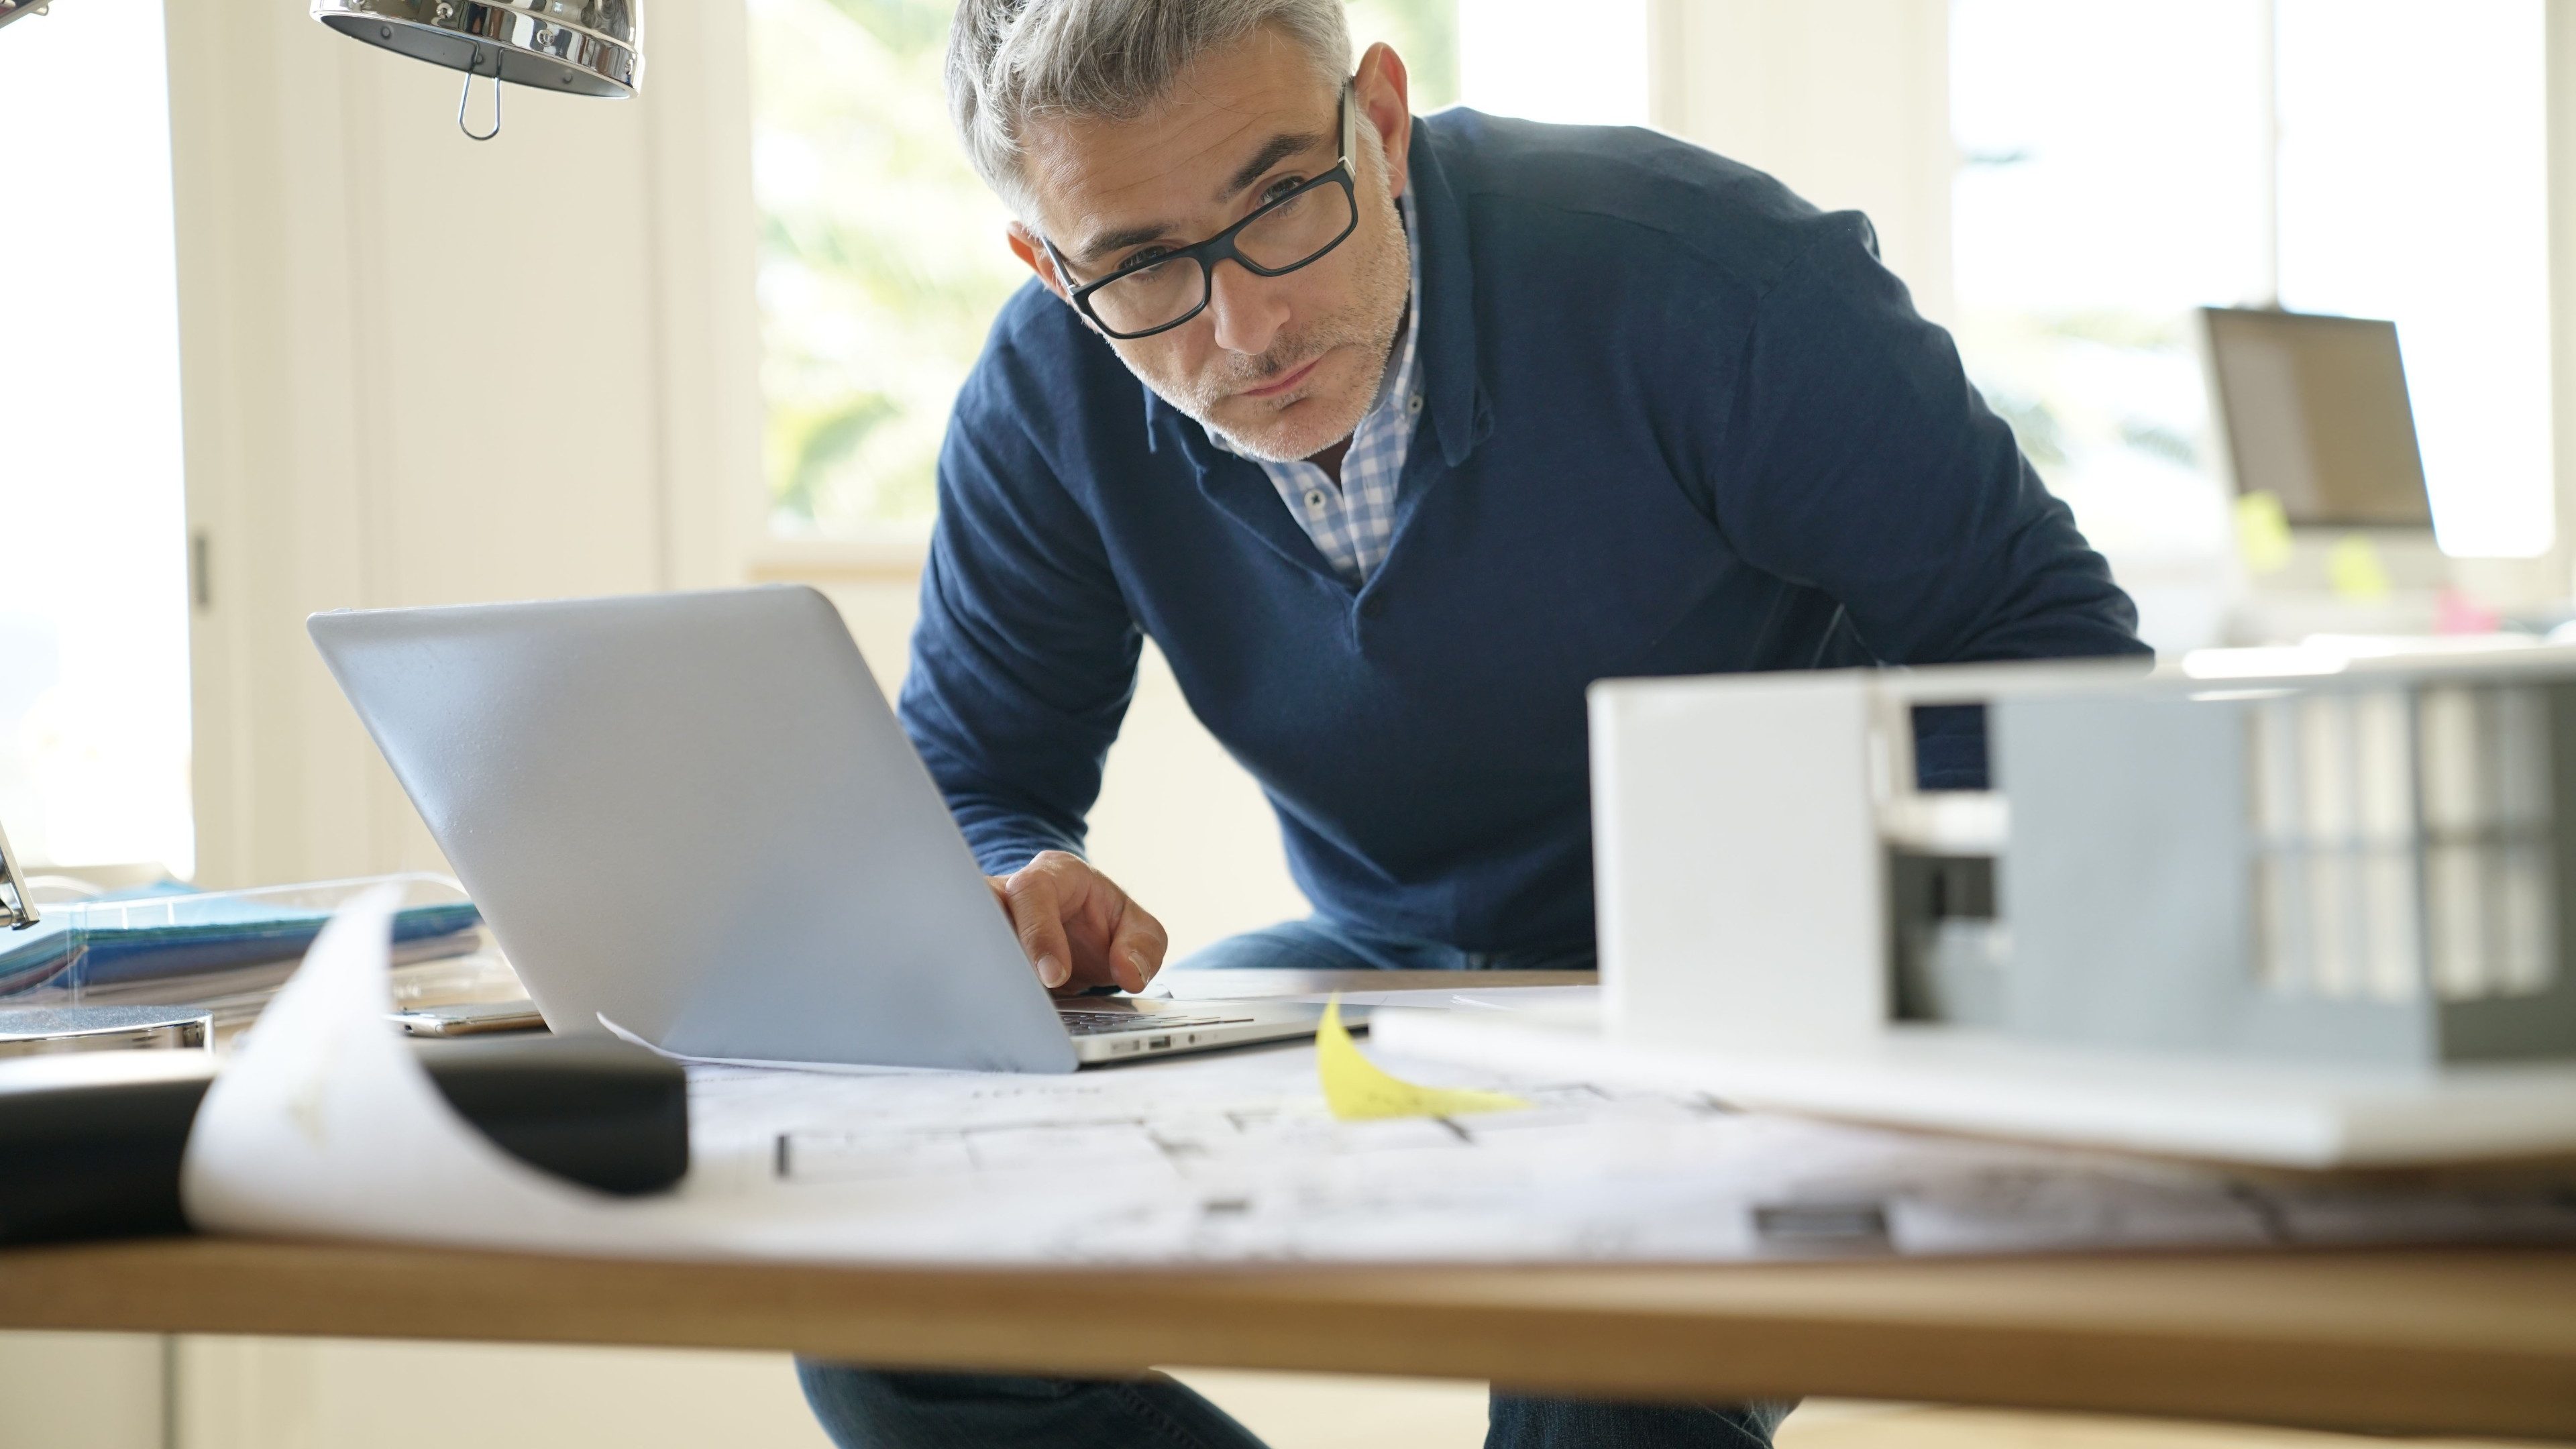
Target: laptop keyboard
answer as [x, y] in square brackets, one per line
[1099, 1023]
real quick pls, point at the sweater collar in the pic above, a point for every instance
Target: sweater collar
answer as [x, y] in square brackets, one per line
[1454, 393]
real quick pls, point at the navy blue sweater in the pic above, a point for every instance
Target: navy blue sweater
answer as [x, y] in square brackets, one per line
[1678, 422]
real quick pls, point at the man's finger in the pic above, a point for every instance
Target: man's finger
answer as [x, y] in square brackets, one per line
[1136, 950]
[1039, 919]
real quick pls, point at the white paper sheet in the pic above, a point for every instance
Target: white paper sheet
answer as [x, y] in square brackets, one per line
[322, 1124]
[2305, 1116]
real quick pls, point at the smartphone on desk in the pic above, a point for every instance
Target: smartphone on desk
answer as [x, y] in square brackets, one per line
[470, 1018]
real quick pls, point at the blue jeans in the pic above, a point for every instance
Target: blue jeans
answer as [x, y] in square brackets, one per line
[883, 1409]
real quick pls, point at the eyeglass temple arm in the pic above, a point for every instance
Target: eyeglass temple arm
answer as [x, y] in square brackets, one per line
[1055, 261]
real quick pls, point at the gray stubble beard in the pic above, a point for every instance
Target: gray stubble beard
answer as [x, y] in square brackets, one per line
[1384, 293]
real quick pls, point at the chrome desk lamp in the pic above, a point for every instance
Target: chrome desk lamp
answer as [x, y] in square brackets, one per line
[12, 9]
[577, 47]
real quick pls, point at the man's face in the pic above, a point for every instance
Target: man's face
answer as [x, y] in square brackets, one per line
[1284, 367]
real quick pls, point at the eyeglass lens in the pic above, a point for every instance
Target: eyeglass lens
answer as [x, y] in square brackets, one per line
[1290, 235]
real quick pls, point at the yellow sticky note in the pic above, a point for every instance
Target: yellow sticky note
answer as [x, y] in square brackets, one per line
[1357, 1091]
[2353, 568]
[2262, 533]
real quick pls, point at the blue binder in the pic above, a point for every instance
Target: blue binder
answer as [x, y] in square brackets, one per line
[156, 946]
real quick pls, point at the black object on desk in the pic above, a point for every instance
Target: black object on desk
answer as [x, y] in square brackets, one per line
[90, 1142]
[605, 1114]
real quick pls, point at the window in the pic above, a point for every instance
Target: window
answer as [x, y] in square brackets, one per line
[881, 258]
[881, 262]
[94, 727]
[1546, 61]
[2123, 164]
[2414, 186]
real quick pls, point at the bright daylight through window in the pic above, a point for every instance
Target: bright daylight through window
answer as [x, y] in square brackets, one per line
[94, 729]
[881, 261]
[2124, 164]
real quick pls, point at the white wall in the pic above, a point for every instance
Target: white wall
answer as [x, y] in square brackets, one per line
[1845, 101]
[252, 1393]
[81, 1391]
[421, 370]
[1520, 58]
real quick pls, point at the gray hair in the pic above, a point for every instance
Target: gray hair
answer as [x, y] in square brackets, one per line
[1012, 60]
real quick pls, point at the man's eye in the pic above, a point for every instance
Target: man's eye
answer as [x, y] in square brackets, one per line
[1282, 187]
[1149, 254]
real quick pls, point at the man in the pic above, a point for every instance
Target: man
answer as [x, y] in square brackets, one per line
[1395, 434]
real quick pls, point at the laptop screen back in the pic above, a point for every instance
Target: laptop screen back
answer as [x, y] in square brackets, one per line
[2316, 413]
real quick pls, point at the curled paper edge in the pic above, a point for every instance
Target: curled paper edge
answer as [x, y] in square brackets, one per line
[323, 1123]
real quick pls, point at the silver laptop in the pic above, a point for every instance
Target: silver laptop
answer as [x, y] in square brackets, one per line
[692, 816]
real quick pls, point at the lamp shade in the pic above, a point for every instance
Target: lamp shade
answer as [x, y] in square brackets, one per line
[575, 47]
[12, 9]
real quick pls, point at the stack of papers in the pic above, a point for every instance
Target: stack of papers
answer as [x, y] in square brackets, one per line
[322, 1126]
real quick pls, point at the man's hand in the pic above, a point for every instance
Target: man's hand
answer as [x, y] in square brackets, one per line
[1078, 928]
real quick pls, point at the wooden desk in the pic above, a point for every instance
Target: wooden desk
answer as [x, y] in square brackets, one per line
[2477, 1342]
[2397, 1342]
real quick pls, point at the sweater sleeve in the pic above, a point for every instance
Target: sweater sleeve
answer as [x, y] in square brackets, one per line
[1024, 657]
[1855, 457]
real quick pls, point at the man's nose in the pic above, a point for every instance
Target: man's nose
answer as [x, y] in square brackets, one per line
[1248, 310]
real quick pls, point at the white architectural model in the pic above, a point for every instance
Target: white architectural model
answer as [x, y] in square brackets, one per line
[2363, 865]
[2277, 906]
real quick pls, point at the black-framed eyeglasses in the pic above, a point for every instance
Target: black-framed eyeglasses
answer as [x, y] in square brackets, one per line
[1165, 289]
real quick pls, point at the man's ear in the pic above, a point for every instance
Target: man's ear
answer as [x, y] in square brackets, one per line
[1025, 246]
[1384, 97]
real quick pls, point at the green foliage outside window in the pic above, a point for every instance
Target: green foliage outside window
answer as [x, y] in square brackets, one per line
[882, 261]
[1425, 33]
